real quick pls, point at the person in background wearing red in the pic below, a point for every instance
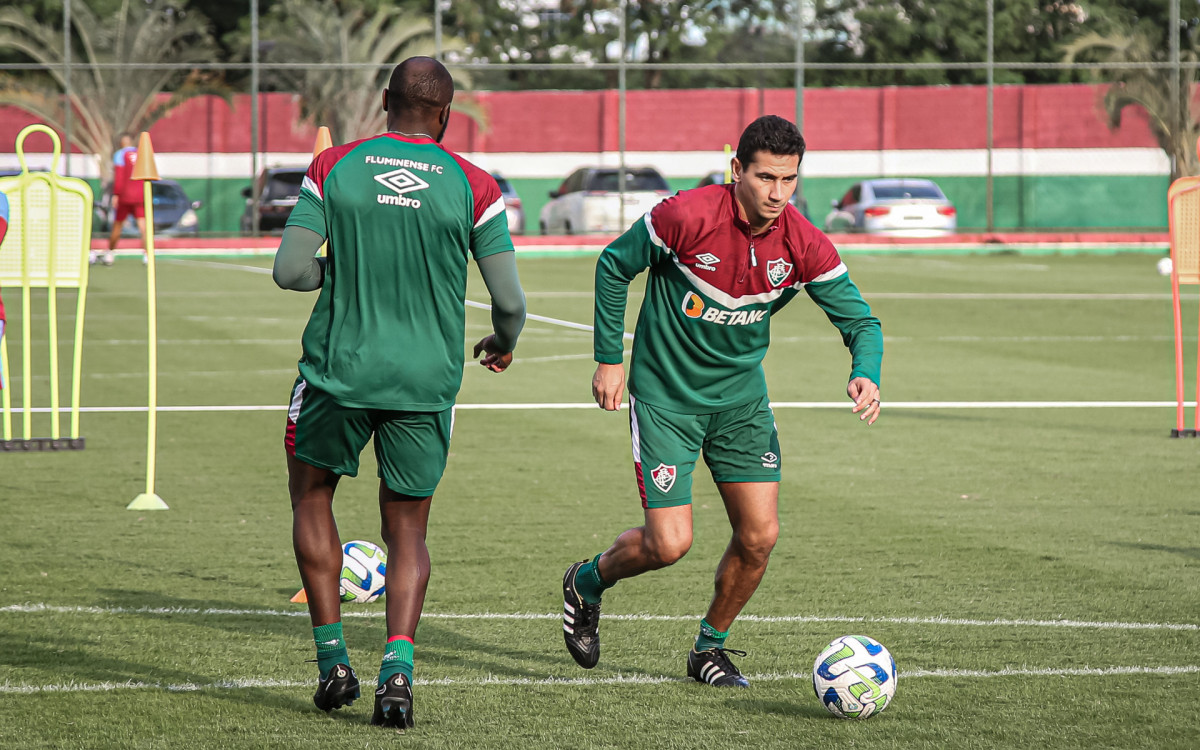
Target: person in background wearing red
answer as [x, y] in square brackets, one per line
[127, 199]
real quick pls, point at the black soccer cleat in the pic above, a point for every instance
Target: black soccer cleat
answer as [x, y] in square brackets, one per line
[581, 622]
[394, 703]
[714, 668]
[339, 688]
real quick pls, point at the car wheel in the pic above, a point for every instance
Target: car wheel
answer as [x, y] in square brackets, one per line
[543, 228]
[567, 227]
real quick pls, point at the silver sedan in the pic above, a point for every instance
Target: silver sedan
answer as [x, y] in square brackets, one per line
[896, 207]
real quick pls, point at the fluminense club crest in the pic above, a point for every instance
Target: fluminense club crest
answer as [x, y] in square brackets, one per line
[663, 476]
[777, 271]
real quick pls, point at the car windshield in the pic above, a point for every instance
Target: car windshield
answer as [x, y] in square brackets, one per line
[281, 185]
[642, 179]
[168, 196]
[892, 192]
[505, 186]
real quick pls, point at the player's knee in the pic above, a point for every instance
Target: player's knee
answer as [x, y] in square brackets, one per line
[756, 544]
[666, 551]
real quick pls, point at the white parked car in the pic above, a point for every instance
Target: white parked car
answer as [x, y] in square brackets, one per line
[513, 211]
[897, 207]
[588, 200]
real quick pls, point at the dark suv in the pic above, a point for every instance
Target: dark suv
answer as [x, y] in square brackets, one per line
[278, 191]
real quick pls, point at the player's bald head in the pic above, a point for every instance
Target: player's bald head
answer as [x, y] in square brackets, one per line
[420, 85]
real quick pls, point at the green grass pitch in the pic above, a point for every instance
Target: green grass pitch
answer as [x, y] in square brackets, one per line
[1034, 571]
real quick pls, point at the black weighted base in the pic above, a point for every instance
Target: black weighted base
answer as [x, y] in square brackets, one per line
[42, 444]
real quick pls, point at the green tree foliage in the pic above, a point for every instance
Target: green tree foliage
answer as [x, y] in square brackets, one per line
[107, 101]
[370, 38]
[946, 31]
[1172, 120]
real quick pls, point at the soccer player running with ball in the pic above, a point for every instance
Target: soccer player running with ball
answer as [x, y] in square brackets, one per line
[383, 353]
[722, 259]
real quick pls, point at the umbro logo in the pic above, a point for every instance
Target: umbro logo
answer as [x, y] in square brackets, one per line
[400, 182]
[770, 460]
[707, 261]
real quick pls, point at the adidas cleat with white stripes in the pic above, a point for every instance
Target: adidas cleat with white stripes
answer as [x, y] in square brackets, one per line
[714, 668]
[581, 622]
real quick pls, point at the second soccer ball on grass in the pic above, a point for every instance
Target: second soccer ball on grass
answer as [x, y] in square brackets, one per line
[363, 567]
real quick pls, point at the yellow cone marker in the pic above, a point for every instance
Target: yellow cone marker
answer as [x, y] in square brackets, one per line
[324, 141]
[146, 170]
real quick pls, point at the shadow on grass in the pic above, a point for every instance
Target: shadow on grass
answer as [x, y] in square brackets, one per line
[440, 644]
[793, 709]
[75, 664]
[1192, 552]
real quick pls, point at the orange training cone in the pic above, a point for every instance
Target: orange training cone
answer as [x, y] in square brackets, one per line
[301, 597]
[144, 168]
[324, 141]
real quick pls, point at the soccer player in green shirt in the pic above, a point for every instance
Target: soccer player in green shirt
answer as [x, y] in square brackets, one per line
[722, 260]
[383, 353]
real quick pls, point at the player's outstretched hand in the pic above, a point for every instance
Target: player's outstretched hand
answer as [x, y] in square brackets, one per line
[608, 386]
[866, 399]
[497, 360]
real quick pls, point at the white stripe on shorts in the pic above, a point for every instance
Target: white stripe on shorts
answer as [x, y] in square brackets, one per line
[297, 399]
[634, 433]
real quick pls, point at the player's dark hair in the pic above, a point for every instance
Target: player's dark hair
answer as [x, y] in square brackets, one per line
[770, 133]
[419, 84]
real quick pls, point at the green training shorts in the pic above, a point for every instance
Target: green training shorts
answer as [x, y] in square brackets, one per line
[739, 445]
[410, 446]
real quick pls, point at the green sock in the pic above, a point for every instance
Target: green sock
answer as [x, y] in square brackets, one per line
[588, 582]
[397, 657]
[710, 637]
[331, 647]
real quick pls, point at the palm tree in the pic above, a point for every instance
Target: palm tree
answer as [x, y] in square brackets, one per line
[105, 102]
[1173, 122]
[348, 99]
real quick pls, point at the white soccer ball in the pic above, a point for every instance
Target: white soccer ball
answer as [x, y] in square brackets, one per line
[1164, 266]
[855, 677]
[363, 567]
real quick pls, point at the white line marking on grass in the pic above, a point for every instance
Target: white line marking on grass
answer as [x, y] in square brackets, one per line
[39, 607]
[554, 358]
[544, 319]
[226, 266]
[195, 342]
[1095, 296]
[166, 374]
[239, 319]
[989, 339]
[618, 679]
[572, 406]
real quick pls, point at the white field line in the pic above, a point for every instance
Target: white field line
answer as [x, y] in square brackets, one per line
[1118, 339]
[544, 319]
[226, 266]
[469, 303]
[1072, 296]
[42, 608]
[587, 405]
[619, 679]
[553, 358]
